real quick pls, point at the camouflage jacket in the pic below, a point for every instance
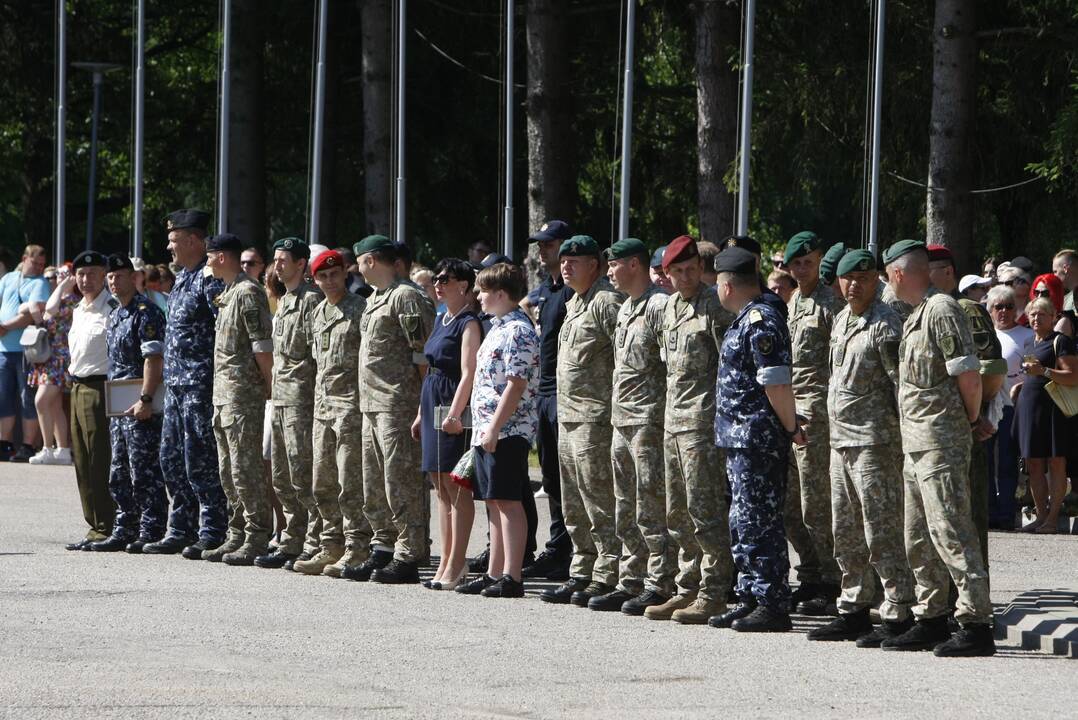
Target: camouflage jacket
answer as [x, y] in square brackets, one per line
[395, 326]
[692, 336]
[189, 334]
[244, 327]
[334, 336]
[293, 364]
[901, 307]
[586, 354]
[639, 373]
[810, 324]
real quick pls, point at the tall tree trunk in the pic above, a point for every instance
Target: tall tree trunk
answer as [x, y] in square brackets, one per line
[551, 170]
[247, 156]
[717, 37]
[376, 104]
[954, 89]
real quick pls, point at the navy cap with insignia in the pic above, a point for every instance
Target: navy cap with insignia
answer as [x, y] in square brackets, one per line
[657, 257]
[294, 246]
[89, 258]
[225, 242]
[189, 218]
[742, 241]
[735, 260]
[494, 259]
[553, 230]
[119, 261]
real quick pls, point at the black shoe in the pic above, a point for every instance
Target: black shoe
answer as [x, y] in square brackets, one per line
[479, 563]
[477, 586]
[764, 619]
[844, 627]
[397, 572]
[973, 640]
[549, 566]
[611, 601]
[305, 555]
[924, 635]
[114, 543]
[171, 545]
[637, 605]
[562, 594]
[505, 587]
[581, 598]
[194, 551]
[24, 454]
[377, 560]
[80, 545]
[6, 451]
[884, 631]
[135, 546]
[274, 560]
[805, 591]
[742, 610]
[823, 603]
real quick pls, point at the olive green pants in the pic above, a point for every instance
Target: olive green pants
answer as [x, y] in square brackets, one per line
[92, 455]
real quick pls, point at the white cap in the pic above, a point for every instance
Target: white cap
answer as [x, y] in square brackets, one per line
[316, 250]
[969, 281]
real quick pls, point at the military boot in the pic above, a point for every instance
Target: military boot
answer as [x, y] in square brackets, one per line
[232, 544]
[168, 546]
[305, 555]
[610, 602]
[135, 546]
[352, 557]
[562, 594]
[699, 612]
[664, 611]
[925, 634]
[113, 543]
[362, 572]
[822, 604]
[195, 550]
[849, 626]
[804, 592]
[328, 555]
[742, 610]
[637, 605]
[245, 555]
[397, 572]
[764, 619]
[275, 559]
[884, 631]
[594, 589]
[972, 640]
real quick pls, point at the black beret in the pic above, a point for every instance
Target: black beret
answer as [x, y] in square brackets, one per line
[735, 260]
[118, 261]
[89, 258]
[183, 219]
[742, 241]
[294, 246]
[225, 242]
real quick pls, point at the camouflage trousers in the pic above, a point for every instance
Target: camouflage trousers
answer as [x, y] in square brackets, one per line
[648, 558]
[807, 569]
[189, 464]
[587, 500]
[135, 481]
[338, 490]
[697, 513]
[757, 535]
[238, 430]
[866, 507]
[290, 459]
[395, 496]
[813, 469]
[940, 537]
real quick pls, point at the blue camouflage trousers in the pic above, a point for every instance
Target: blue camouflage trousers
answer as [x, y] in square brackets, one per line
[189, 464]
[757, 534]
[135, 480]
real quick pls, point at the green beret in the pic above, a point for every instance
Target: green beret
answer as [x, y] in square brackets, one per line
[856, 261]
[829, 262]
[627, 248]
[900, 248]
[296, 247]
[579, 245]
[372, 243]
[800, 244]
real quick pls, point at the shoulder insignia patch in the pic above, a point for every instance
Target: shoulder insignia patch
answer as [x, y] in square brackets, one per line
[948, 345]
[764, 344]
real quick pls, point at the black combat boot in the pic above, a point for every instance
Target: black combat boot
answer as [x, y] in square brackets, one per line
[275, 559]
[885, 631]
[113, 543]
[378, 560]
[742, 610]
[637, 605]
[924, 635]
[823, 603]
[764, 619]
[562, 594]
[972, 640]
[397, 572]
[845, 627]
[581, 598]
[611, 601]
[171, 545]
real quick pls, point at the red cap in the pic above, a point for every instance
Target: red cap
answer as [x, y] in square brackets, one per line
[327, 259]
[680, 249]
[939, 252]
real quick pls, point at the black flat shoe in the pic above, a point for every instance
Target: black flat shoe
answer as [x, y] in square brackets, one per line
[77, 545]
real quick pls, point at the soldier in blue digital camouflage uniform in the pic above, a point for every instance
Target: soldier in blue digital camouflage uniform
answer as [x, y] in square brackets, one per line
[188, 446]
[135, 338]
[755, 421]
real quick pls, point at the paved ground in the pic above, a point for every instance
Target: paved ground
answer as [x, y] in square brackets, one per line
[110, 636]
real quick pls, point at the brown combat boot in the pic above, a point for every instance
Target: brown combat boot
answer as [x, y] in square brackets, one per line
[352, 557]
[232, 544]
[699, 612]
[325, 557]
[664, 611]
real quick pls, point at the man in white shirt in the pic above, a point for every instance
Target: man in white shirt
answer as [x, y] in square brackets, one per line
[89, 368]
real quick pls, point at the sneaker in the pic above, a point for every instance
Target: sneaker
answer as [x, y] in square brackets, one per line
[742, 610]
[397, 572]
[477, 586]
[60, 456]
[699, 612]
[664, 611]
[43, 457]
[764, 619]
[315, 565]
[637, 605]
[581, 598]
[924, 635]
[562, 594]
[845, 627]
[973, 640]
[547, 565]
[24, 454]
[352, 557]
[884, 631]
[505, 587]
[362, 573]
[611, 602]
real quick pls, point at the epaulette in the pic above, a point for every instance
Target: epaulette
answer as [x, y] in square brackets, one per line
[755, 316]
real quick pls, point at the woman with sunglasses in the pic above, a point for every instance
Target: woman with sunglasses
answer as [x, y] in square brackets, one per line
[1018, 281]
[450, 351]
[1050, 287]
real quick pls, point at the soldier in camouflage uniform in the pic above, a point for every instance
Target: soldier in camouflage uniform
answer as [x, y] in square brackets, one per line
[866, 462]
[696, 488]
[939, 398]
[135, 339]
[188, 447]
[242, 378]
[649, 563]
[584, 373]
[293, 402]
[394, 327]
[812, 311]
[334, 337]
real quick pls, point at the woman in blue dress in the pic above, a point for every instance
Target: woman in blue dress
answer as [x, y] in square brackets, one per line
[450, 352]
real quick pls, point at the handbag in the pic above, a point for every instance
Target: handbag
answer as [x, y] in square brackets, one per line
[35, 344]
[1065, 398]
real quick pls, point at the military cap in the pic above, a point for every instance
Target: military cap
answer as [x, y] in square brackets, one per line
[118, 261]
[829, 262]
[328, 259]
[294, 246]
[1023, 263]
[89, 258]
[372, 243]
[579, 245]
[225, 242]
[553, 230]
[657, 256]
[800, 244]
[736, 260]
[900, 248]
[742, 241]
[680, 249]
[494, 259]
[626, 248]
[183, 219]
[855, 261]
[939, 253]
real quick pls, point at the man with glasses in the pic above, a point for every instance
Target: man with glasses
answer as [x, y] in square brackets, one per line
[252, 264]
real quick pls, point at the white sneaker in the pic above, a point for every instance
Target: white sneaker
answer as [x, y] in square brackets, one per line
[540, 494]
[60, 456]
[42, 457]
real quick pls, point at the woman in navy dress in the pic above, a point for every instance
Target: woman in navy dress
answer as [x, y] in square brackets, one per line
[450, 352]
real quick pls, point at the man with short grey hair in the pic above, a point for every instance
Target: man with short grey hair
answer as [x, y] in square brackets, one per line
[1065, 267]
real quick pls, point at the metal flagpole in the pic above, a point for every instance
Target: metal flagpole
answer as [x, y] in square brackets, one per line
[222, 160]
[402, 6]
[99, 80]
[61, 128]
[508, 240]
[319, 120]
[140, 106]
[877, 105]
[746, 121]
[627, 121]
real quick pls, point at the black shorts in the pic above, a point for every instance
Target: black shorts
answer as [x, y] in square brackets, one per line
[499, 475]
